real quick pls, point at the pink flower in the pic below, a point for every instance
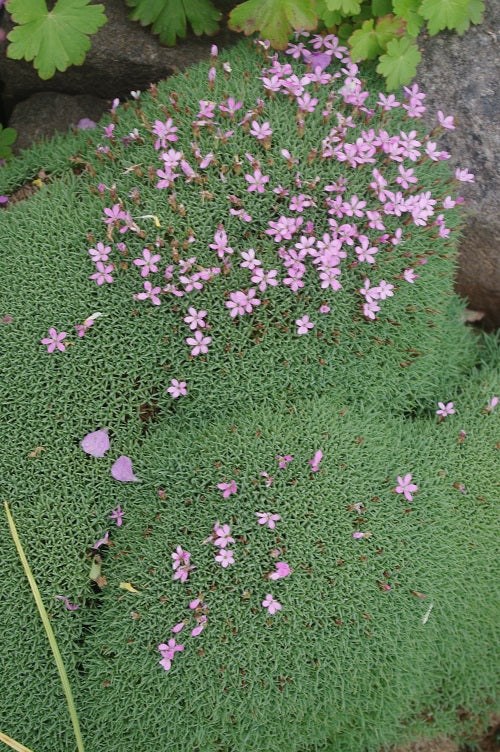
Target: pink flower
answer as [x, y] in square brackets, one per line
[101, 253]
[96, 443]
[117, 514]
[165, 131]
[283, 460]
[222, 535]
[261, 132]
[464, 176]
[282, 570]
[370, 309]
[303, 325]
[445, 410]
[316, 460]
[228, 488]
[225, 557]
[446, 122]
[180, 557]
[103, 273]
[271, 604]
[410, 276]
[406, 487]
[249, 260]
[54, 340]
[150, 293]
[230, 107]
[267, 518]
[66, 602]
[199, 343]
[178, 388]
[182, 573]
[113, 215]
[168, 651]
[242, 303]
[148, 262]
[195, 318]
[102, 541]
[257, 181]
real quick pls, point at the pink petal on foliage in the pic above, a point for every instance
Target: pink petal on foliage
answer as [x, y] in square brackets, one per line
[122, 469]
[96, 443]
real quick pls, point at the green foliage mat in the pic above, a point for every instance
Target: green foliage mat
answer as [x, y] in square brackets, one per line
[347, 664]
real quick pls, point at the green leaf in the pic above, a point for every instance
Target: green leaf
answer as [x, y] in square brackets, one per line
[381, 8]
[387, 28]
[273, 19]
[445, 14]
[170, 17]
[408, 10]
[330, 18]
[475, 16]
[399, 63]
[364, 43]
[53, 39]
[346, 7]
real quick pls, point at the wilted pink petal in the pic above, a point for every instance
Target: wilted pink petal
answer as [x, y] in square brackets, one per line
[96, 443]
[122, 470]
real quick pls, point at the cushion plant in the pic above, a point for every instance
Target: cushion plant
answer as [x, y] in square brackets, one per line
[248, 441]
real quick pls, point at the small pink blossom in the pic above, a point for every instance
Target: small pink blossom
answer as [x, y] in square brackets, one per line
[101, 253]
[282, 570]
[261, 132]
[410, 276]
[242, 303]
[199, 343]
[283, 460]
[150, 293]
[54, 340]
[303, 325]
[148, 262]
[225, 557]
[267, 518]
[406, 487]
[445, 410]
[316, 461]
[195, 319]
[177, 388]
[257, 181]
[228, 488]
[103, 273]
[446, 122]
[117, 514]
[464, 176]
[222, 535]
[271, 604]
[491, 404]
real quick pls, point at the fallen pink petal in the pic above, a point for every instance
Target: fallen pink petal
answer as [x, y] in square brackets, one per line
[96, 443]
[122, 470]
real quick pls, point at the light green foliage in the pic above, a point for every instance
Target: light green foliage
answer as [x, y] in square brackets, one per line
[399, 63]
[408, 11]
[170, 18]
[53, 39]
[368, 42]
[347, 665]
[450, 14]
[7, 138]
[273, 19]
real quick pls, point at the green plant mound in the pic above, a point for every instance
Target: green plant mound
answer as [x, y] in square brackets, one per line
[207, 405]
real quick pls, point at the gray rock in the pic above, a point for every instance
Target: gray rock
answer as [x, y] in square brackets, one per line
[461, 76]
[124, 56]
[46, 112]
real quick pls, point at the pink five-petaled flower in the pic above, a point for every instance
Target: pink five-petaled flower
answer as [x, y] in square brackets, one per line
[180, 557]
[199, 343]
[261, 132]
[195, 318]
[267, 518]
[316, 460]
[117, 514]
[225, 557]
[222, 534]
[148, 262]
[303, 325]
[464, 176]
[445, 410]
[257, 181]
[103, 273]
[178, 388]
[149, 292]
[122, 470]
[101, 253]
[283, 460]
[406, 487]
[410, 276]
[282, 570]
[228, 488]
[271, 604]
[54, 340]
[445, 122]
[242, 303]
[96, 443]
[69, 606]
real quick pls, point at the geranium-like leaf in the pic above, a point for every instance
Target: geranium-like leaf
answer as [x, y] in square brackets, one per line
[475, 16]
[329, 17]
[346, 7]
[381, 8]
[408, 10]
[53, 39]
[122, 470]
[171, 17]
[96, 443]
[446, 14]
[364, 42]
[7, 138]
[387, 28]
[399, 63]
[273, 19]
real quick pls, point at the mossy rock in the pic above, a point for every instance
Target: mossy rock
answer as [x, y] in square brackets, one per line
[374, 632]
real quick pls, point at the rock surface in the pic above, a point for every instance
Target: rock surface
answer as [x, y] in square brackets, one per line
[461, 76]
[48, 111]
[124, 56]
